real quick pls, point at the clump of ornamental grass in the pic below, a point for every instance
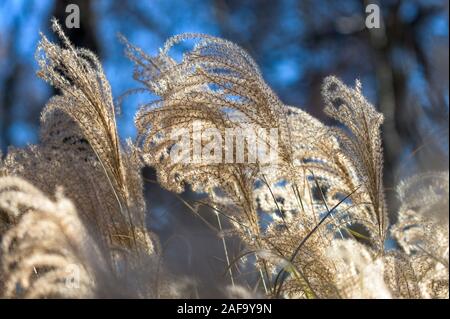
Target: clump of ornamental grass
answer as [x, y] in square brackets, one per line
[81, 153]
[314, 222]
[324, 197]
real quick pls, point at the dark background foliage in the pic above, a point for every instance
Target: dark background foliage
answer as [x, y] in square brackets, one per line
[403, 67]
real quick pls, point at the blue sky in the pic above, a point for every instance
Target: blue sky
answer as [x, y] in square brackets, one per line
[283, 68]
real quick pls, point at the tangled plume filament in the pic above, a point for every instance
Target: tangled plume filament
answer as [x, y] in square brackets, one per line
[203, 144]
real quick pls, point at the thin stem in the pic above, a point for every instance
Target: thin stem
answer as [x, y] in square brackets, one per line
[225, 249]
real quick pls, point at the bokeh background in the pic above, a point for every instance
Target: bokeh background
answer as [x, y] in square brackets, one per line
[403, 67]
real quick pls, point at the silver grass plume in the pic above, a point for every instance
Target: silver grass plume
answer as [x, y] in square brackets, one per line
[47, 252]
[46, 242]
[80, 151]
[358, 272]
[422, 231]
[82, 119]
[360, 140]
